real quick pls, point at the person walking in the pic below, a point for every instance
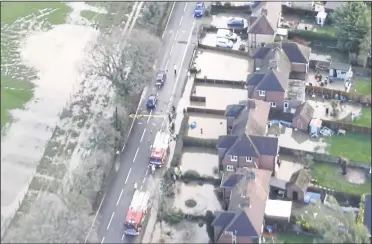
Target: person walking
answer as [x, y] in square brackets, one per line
[175, 69]
[135, 185]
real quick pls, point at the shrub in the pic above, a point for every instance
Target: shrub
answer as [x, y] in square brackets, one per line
[190, 203]
[311, 36]
[191, 175]
[172, 216]
[199, 142]
[360, 217]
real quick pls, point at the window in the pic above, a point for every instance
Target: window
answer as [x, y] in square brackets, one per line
[261, 93]
[343, 73]
[234, 158]
[286, 105]
[273, 105]
[230, 168]
[248, 159]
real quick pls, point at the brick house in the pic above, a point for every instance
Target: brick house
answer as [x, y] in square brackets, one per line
[245, 192]
[260, 32]
[247, 151]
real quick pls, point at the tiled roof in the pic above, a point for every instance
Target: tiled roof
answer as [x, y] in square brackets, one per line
[261, 26]
[273, 81]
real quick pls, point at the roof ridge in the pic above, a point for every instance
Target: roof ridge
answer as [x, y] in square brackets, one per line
[254, 147]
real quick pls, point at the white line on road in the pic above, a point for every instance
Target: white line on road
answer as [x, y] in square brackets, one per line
[166, 25]
[108, 226]
[94, 220]
[147, 171]
[128, 176]
[181, 20]
[175, 38]
[144, 179]
[121, 193]
[144, 131]
[103, 239]
[170, 52]
[135, 155]
[166, 64]
[184, 9]
[122, 237]
[149, 117]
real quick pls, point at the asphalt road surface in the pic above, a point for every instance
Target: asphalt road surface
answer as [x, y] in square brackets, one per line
[178, 41]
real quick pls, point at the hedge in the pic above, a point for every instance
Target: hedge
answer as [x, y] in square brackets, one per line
[360, 217]
[179, 142]
[311, 36]
[199, 142]
[192, 175]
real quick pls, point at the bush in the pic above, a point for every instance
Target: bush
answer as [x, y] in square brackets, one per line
[172, 216]
[311, 36]
[191, 175]
[190, 203]
[199, 142]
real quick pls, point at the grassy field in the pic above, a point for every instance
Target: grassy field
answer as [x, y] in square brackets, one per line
[354, 146]
[291, 238]
[17, 17]
[330, 176]
[362, 85]
[365, 119]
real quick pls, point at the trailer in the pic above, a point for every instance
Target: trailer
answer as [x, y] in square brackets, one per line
[160, 149]
[136, 213]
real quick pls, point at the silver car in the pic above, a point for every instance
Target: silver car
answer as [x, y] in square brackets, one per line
[224, 42]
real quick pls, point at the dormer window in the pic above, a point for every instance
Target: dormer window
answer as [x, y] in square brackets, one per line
[234, 158]
[261, 93]
[248, 159]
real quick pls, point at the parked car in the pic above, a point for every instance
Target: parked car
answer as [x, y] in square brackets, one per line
[223, 42]
[236, 23]
[228, 34]
[199, 9]
[151, 101]
[161, 77]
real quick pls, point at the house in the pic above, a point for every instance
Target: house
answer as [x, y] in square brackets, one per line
[340, 71]
[302, 117]
[297, 185]
[299, 56]
[247, 151]
[260, 32]
[249, 117]
[367, 213]
[246, 193]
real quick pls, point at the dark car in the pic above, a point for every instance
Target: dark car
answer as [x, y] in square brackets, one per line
[161, 77]
[151, 101]
[235, 23]
[199, 9]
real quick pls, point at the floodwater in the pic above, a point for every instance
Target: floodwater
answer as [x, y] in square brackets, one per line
[202, 160]
[222, 66]
[211, 38]
[213, 126]
[220, 97]
[202, 194]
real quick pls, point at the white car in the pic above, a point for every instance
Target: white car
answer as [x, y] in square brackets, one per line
[228, 34]
[223, 42]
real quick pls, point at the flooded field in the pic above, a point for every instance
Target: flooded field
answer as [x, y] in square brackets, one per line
[222, 66]
[202, 160]
[218, 97]
[213, 126]
[185, 232]
[202, 194]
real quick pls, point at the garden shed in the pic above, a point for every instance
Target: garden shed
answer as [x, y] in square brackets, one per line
[340, 71]
[302, 117]
[297, 185]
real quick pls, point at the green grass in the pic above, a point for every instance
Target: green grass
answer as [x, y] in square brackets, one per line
[18, 94]
[365, 119]
[292, 238]
[353, 146]
[330, 176]
[362, 85]
[330, 30]
[11, 11]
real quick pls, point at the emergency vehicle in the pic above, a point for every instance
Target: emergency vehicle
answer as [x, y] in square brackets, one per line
[136, 213]
[160, 149]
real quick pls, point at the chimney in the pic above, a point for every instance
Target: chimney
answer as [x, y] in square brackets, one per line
[264, 11]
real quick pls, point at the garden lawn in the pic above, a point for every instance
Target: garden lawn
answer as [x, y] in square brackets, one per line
[330, 176]
[365, 119]
[330, 30]
[353, 146]
[293, 238]
[14, 94]
[362, 85]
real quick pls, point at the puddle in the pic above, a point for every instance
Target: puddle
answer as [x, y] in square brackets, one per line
[213, 126]
[202, 160]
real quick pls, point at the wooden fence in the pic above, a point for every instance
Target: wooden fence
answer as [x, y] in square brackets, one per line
[205, 111]
[335, 125]
[330, 94]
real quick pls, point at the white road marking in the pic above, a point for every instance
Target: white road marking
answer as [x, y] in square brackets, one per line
[140, 188]
[166, 25]
[149, 116]
[144, 131]
[144, 179]
[147, 171]
[181, 20]
[170, 52]
[184, 9]
[128, 176]
[103, 239]
[94, 220]
[175, 38]
[166, 64]
[122, 237]
[108, 226]
[121, 193]
[135, 155]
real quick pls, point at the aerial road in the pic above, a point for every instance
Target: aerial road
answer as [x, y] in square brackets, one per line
[177, 48]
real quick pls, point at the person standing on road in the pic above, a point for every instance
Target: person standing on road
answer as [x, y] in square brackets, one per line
[175, 69]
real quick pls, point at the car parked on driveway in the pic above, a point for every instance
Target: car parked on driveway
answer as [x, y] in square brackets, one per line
[236, 23]
[161, 77]
[228, 34]
[151, 101]
[199, 9]
[223, 42]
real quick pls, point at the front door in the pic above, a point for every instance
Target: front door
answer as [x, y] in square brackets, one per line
[295, 196]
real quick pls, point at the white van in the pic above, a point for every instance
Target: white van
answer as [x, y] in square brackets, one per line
[224, 33]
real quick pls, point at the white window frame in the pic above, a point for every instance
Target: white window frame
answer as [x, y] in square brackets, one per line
[234, 158]
[248, 159]
[261, 93]
[273, 104]
[286, 104]
[229, 167]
